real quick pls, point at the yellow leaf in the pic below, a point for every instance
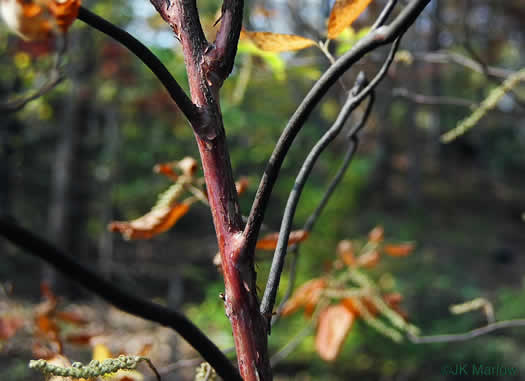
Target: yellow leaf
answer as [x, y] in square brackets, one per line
[276, 42]
[343, 14]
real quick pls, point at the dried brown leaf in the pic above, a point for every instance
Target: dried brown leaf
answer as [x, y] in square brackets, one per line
[149, 225]
[344, 13]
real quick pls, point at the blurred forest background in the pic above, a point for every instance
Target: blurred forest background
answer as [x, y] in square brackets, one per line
[82, 156]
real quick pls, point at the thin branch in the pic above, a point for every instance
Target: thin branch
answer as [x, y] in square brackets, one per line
[431, 100]
[312, 219]
[467, 335]
[56, 76]
[147, 57]
[379, 37]
[354, 99]
[446, 57]
[389, 7]
[13, 106]
[119, 298]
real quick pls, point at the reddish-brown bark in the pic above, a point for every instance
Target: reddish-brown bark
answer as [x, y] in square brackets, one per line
[207, 66]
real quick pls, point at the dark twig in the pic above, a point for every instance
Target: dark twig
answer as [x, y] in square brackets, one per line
[355, 98]
[120, 298]
[445, 57]
[467, 335]
[147, 57]
[56, 76]
[312, 219]
[13, 106]
[381, 19]
[431, 100]
[381, 36]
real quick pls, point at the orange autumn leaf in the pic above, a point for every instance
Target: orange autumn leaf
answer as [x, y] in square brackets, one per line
[334, 324]
[276, 42]
[166, 169]
[46, 327]
[377, 234]
[241, 185]
[307, 296]
[344, 13]
[399, 250]
[368, 260]
[39, 19]
[157, 221]
[269, 242]
[64, 12]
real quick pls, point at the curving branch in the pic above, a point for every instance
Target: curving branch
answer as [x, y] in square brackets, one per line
[379, 37]
[447, 57]
[118, 297]
[176, 92]
[353, 138]
[356, 96]
[467, 335]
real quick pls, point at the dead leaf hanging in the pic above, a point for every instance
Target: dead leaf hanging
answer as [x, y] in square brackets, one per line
[343, 14]
[149, 225]
[277, 42]
[334, 324]
[39, 19]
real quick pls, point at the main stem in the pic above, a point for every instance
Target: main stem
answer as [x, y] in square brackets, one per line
[242, 306]
[207, 66]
